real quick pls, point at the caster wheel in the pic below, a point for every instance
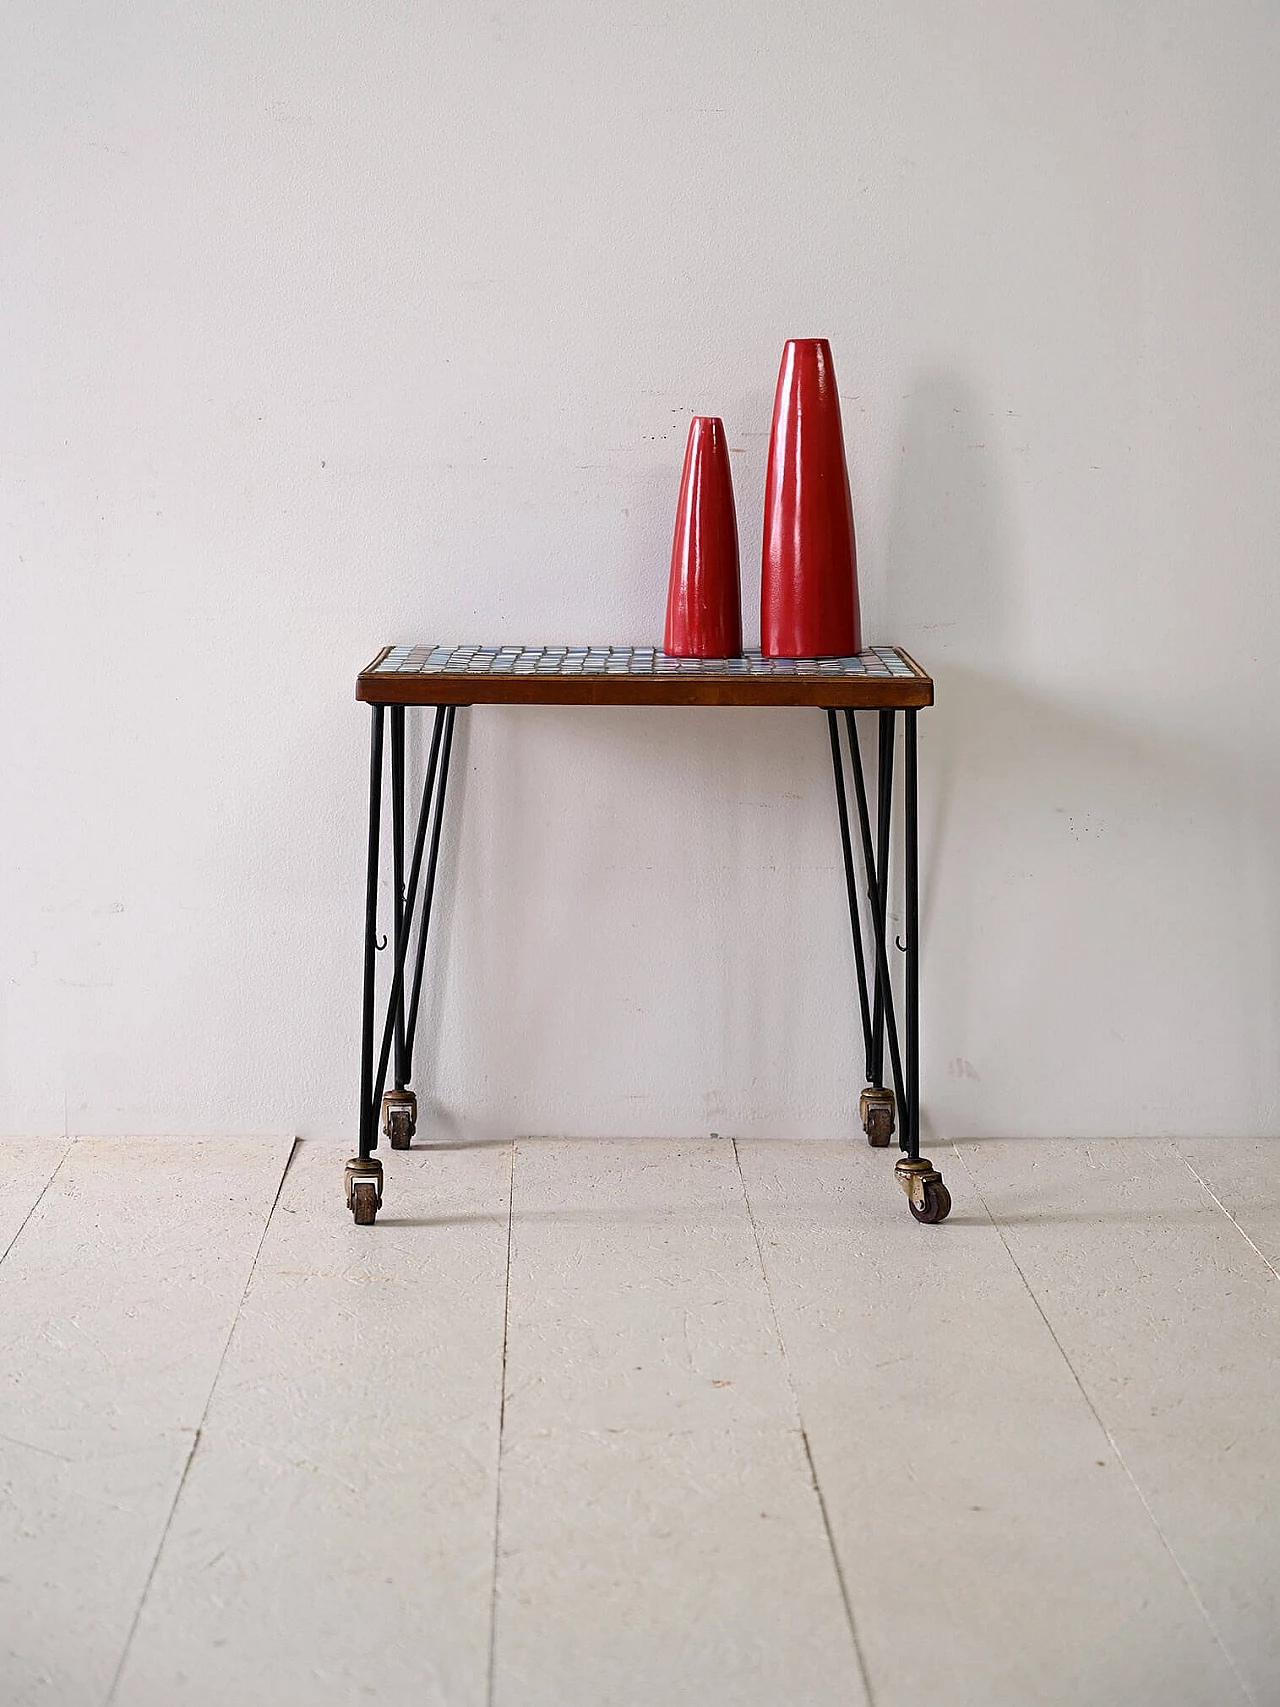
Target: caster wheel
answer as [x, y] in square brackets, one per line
[929, 1199]
[876, 1110]
[399, 1117]
[364, 1203]
[364, 1189]
[936, 1206]
[879, 1127]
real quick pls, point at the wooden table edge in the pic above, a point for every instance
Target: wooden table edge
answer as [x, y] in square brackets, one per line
[858, 693]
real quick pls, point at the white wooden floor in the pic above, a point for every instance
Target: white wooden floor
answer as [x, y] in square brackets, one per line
[598, 1423]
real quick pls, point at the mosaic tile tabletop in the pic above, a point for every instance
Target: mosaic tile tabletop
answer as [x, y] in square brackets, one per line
[637, 675]
[880, 661]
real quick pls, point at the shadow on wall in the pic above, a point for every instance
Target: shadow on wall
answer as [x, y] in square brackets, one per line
[1096, 900]
[1096, 911]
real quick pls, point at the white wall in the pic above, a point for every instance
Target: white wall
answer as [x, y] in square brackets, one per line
[326, 325]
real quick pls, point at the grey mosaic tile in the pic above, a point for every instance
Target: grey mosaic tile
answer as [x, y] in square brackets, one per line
[880, 662]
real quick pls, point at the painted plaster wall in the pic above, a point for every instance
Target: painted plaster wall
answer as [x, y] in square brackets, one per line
[327, 325]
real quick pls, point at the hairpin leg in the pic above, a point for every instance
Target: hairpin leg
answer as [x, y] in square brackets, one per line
[877, 1105]
[446, 750]
[855, 921]
[364, 1171]
[399, 1105]
[878, 908]
[929, 1198]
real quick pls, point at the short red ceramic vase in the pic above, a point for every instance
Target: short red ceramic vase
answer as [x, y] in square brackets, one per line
[809, 573]
[704, 606]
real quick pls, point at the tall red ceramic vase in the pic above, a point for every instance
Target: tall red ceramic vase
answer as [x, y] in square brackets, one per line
[809, 573]
[704, 606]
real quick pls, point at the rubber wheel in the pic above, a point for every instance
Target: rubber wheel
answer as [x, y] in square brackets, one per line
[937, 1204]
[364, 1203]
[879, 1127]
[401, 1128]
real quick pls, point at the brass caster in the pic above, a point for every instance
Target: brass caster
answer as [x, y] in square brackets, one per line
[399, 1117]
[876, 1110]
[364, 1189]
[929, 1199]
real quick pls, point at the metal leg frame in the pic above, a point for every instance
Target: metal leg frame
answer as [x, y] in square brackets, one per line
[928, 1196]
[884, 826]
[851, 885]
[397, 1107]
[929, 1199]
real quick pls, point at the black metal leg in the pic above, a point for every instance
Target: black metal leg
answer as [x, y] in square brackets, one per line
[842, 807]
[912, 884]
[926, 1191]
[368, 1113]
[879, 912]
[928, 1195]
[430, 889]
[884, 825]
[396, 999]
[364, 1172]
[397, 840]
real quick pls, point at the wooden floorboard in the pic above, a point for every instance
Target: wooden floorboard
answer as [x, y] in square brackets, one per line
[334, 1539]
[1243, 1177]
[608, 1423]
[994, 1549]
[1171, 1319]
[116, 1302]
[26, 1167]
[660, 1536]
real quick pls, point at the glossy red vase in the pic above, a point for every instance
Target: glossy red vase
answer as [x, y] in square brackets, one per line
[809, 574]
[704, 605]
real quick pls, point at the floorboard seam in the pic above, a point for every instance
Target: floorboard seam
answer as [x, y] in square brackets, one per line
[1206, 1187]
[804, 1436]
[30, 1212]
[502, 1417]
[1111, 1440]
[199, 1431]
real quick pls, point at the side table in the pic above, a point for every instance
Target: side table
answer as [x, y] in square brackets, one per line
[885, 680]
